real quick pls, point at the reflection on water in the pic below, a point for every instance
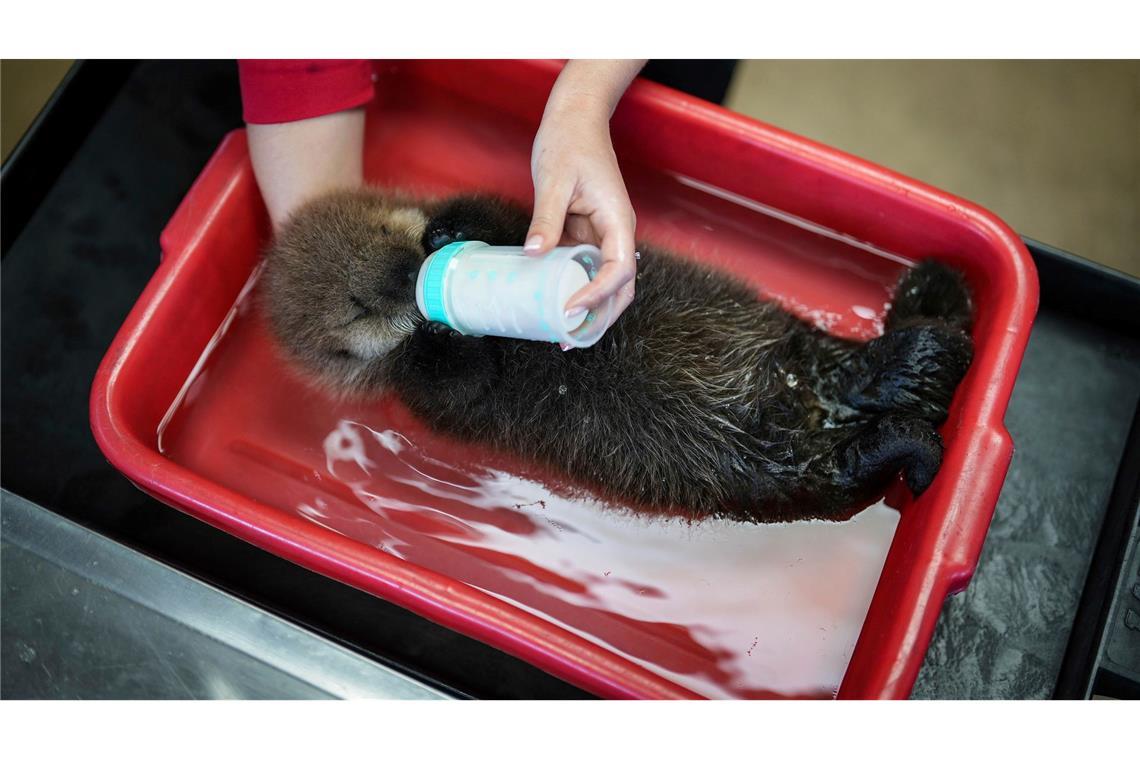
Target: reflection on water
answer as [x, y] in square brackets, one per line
[724, 609]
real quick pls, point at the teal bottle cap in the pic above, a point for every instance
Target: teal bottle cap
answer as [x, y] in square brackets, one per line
[434, 276]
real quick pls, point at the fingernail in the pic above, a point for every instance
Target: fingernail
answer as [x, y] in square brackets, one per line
[533, 243]
[577, 311]
[566, 346]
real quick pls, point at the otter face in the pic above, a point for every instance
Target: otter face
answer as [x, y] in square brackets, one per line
[339, 283]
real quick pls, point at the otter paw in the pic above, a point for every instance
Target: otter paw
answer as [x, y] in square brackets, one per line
[437, 236]
[439, 328]
[475, 217]
[440, 338]
[458, 220]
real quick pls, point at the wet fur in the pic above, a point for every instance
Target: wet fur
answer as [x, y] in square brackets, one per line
[701, 397]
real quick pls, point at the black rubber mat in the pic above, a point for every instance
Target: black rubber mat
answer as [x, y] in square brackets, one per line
[1005, 635]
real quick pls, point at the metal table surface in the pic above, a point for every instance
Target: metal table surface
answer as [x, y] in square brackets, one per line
[89, 247]
[86, 617]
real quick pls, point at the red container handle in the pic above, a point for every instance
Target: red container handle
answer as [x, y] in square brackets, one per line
[959, 545]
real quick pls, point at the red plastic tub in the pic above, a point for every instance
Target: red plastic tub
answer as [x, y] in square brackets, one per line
[194, 404]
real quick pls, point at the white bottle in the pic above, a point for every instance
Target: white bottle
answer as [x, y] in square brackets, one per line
[479, 290]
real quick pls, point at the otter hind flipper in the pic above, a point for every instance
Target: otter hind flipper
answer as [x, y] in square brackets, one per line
[931, 291]
[916, 365]
[912, 369]
[842, 468]
[869, 459]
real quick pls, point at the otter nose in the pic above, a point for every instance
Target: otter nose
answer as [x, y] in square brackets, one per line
[399, 281]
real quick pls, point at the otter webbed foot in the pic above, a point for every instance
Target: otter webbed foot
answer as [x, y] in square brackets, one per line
[835, 470]
[887, 445]
[912, 369]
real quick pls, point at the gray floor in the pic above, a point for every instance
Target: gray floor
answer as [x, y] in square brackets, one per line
[25, 86]
[1052, 147]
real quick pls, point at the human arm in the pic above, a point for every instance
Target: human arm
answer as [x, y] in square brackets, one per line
[305, 127]
[299, 160]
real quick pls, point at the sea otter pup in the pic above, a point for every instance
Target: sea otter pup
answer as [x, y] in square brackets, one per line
[701, 397]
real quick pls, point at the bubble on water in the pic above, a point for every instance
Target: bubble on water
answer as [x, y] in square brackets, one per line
[344, 444]
[792, 380]
[562, 390]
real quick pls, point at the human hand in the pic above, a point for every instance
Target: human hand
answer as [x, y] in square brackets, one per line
[580, 196]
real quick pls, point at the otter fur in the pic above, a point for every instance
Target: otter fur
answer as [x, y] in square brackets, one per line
[702, 397]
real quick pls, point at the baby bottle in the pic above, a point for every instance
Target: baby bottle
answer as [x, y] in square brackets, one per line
[479, 290]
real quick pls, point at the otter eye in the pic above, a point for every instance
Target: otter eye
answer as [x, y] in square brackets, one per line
[342, 354]
[384, 229]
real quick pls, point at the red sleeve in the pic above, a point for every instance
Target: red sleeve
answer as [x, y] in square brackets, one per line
[277, 91]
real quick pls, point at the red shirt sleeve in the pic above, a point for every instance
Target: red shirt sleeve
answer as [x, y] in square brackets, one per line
[278, 91]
